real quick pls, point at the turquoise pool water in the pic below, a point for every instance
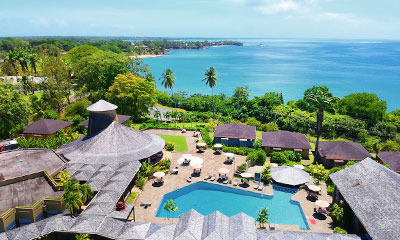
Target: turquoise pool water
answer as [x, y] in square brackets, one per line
[207, 198]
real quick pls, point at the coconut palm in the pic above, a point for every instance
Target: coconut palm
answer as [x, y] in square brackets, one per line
[263, 217]
[72, 201]
[86, 192]
[32, 58]
[321, 98]
[71, 186]
[168, 80]
[211, 81]
[170, 206]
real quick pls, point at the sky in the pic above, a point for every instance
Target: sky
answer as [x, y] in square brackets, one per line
[342, 19]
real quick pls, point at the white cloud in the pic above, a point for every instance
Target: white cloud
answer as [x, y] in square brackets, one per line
[278, 6]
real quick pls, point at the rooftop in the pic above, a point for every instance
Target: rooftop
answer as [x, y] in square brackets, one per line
[342, 150]
[392, 159]
[21, 162]
[101, 106]
[46, 126]
[121, 119]
[285, 139]
[235, 130]
[373, 193]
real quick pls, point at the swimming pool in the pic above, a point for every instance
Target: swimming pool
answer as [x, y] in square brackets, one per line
[207, 198]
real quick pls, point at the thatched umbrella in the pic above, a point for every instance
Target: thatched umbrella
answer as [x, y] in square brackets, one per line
[289, 175]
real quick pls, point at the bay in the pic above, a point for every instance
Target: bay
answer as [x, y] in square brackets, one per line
[289, 66]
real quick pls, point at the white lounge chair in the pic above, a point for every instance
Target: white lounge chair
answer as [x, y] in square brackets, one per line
[226, 180]
[213, 177]
[207, 177]
[235, 182]
[189, 179]
[256, 184]
[261, 186]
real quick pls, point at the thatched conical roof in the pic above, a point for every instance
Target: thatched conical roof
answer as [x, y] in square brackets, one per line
[115, 144]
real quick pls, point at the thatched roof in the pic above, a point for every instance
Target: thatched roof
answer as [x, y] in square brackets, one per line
[373, 193]
[121, 119]
[115, 144]
[46, 126]
[289, 175]
[285, 139]
[235, 130]
[392, 159]
[341, 150]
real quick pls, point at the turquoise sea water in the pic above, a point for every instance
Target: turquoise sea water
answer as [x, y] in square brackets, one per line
[290, 66]
[207, 198]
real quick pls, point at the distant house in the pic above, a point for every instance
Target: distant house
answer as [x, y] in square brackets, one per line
[372, 191]
[284, 140]
[121, 119]
[390, 158]
[45, 128]
[337, 153]
[235, 134]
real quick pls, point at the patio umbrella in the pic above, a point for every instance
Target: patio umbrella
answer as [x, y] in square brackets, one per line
[158, 174]
[223, 170]
[299, 166]
[201, 144]
[322, 203]
[246, 174]
[198, 166]
[193, 160]
[289, 175]
[218, 145]
[231, 155]
[314, 188]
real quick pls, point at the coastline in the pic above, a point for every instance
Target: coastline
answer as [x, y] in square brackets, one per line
[146, 56]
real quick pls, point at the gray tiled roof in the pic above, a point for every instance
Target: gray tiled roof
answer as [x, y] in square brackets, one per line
[285, 139]
[215, 226]
[101, 106]
[373, 193]
[121, 119]
[242, 226]
[289, 175]
[190, 226]
[287, 235]
[160, 231]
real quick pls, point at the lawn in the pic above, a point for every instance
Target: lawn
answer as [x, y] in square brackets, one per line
[178, 141]
[131, 198]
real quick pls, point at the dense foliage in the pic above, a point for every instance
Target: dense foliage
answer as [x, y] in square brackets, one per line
[257, 156]
[52, 142]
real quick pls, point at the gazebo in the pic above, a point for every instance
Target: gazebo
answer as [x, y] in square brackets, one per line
[289, 175]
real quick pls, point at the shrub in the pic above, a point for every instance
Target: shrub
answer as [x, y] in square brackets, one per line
[293, 156]
[318, 172]
[257, 144]
[253, 122]
[257, 157]
[279, 158]
[337, 214]
[266, 175]
[331, 189]
[140, 182]
[269, 127]
[243, 151]
[169, 147]
[165, 164]
[339, 230]
[242, 167]
[206, 137]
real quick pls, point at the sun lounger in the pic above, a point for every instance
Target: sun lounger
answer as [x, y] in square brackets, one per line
[145, 203]
[213, 177]
[207, 177]
[235, 182]
[261, 186]
[256, 184]
[246, 182]
[189, 179]
[226, 180]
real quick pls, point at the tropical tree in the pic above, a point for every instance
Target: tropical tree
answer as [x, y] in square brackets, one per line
[211, 81]
[73, 201]
[32, 59]
[71, 186]
[82, 236]
[64, 177]
[86, 192]
[321, 98]
[168, 80]
[170, 206]
[263, 217]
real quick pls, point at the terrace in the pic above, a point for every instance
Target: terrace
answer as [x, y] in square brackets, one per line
[211, 163]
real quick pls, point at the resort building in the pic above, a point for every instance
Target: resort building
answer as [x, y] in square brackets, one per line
[372, 192]
[337, 153]
[390, 158]
[235, 134]
[120, 118]
[284, 140]
[45, 128]
[26, 190]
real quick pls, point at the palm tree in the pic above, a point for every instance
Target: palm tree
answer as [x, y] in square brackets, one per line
[71, 186]
[72, 201]
[33, 58]
[170, 206]
[211, 81]
[321, 98]
[263, 217]
[82, 236]
[86, 192]
[168, 80]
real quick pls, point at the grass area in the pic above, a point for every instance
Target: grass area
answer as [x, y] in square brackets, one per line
[131, 198]
[171, 108]
[178, 141]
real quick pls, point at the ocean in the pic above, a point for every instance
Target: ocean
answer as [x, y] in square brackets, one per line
[289, 66]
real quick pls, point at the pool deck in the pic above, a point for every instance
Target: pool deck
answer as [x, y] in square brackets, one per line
[212, 163]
